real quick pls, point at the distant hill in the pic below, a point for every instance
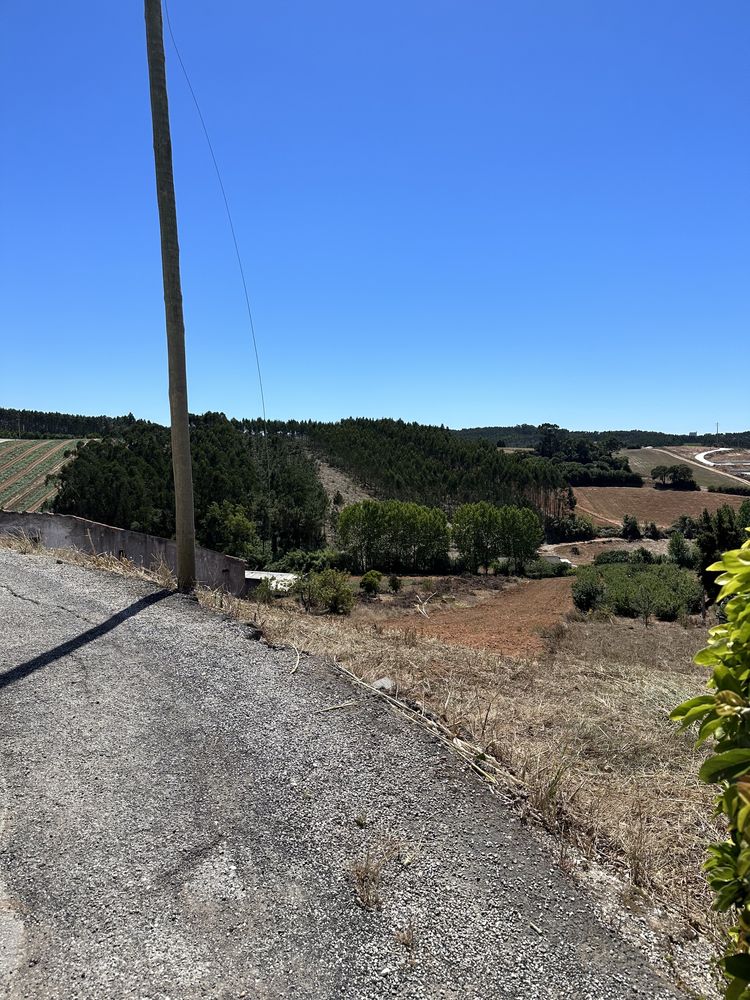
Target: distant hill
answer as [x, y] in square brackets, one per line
[529, 436]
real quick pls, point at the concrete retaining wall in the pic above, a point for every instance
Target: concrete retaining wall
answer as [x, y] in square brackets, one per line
[63, 531]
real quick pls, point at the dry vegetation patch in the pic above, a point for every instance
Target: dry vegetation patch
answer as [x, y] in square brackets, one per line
[575, 736]
[607, 505]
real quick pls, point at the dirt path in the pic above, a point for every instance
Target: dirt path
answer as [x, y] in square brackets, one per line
[185, 812]
[511, 622]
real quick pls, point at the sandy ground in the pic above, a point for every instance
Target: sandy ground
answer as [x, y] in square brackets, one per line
[184, 814]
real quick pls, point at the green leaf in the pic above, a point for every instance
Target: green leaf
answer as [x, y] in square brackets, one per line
[739, 966]
[692, 709]
[706, 657]
[725, 765]
[736, 989]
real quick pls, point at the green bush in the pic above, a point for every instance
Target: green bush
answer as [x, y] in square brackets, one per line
[263, 593]
[569, 529]
[611, 556]
[299, 561]
[394, 583]
[328, 590]
[370, 582]
[641, 555]
[588, 589]
[630, 528]
[723, 717]
[681, 552]
[633, 590]
[542, 569]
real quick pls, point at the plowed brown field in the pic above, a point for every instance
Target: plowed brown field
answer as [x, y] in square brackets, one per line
[511, 621]
[607, 505]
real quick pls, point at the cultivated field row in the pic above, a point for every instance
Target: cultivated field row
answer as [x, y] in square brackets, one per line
[24, 468]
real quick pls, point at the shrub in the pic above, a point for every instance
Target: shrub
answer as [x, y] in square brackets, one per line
[636, 589]
[612, 556]
[542, 569]
[299, 561]
[722, 716]
[680, 552]
[328, 590]
[738, 491]
[630, 528]
[263, 593]
[394, 583]
[569, 529]
[651, 531]
[588, 589]
[370, 582]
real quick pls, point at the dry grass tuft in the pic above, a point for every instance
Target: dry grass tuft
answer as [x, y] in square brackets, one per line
[367, 871]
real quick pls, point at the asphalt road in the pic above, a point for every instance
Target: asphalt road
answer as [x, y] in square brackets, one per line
[180, 815]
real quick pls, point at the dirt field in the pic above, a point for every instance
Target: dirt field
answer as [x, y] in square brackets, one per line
[515, 621]
[607, 505]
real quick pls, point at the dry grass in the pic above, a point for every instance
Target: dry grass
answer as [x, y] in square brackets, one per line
[367, 871]
[159, 572]
[578, 738]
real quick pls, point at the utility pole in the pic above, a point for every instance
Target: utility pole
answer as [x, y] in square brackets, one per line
[170, 264]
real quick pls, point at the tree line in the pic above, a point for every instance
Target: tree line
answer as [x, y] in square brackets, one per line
[529, 435]
[41, 424]
[395, 535]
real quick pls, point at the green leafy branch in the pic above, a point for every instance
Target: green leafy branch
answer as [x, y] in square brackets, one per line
[724, 717]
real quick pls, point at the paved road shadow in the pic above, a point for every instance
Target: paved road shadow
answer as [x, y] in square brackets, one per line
[22, 670]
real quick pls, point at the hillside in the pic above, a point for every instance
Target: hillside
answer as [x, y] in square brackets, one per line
[529, 435]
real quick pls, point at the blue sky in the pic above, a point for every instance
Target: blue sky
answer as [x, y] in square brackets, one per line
[455, 211]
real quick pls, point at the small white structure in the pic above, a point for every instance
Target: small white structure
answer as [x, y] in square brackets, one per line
[280, 582]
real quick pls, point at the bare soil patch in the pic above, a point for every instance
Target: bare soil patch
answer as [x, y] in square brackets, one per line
[515, 621]
[607, 505]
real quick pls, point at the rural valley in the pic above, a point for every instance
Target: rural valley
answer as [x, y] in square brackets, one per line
[536, 605]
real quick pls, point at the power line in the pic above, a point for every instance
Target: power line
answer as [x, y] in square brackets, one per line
[236, 251]
[226, 206]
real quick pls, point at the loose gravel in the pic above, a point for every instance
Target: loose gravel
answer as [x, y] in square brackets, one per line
[181, 815]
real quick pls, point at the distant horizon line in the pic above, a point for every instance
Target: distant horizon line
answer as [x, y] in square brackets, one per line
[472, 427]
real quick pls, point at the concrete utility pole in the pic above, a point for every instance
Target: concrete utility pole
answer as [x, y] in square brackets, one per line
[170, 264]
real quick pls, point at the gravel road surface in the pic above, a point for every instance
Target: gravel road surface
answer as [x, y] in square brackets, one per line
[180, 814]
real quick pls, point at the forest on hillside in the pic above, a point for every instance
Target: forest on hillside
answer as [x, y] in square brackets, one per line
[255, 496]
[529, 436]
[41, 424]
[432, 466]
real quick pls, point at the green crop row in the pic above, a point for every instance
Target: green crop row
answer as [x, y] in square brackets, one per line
[40, 464]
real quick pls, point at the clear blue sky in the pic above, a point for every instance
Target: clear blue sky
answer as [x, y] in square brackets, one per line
[459, 211]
